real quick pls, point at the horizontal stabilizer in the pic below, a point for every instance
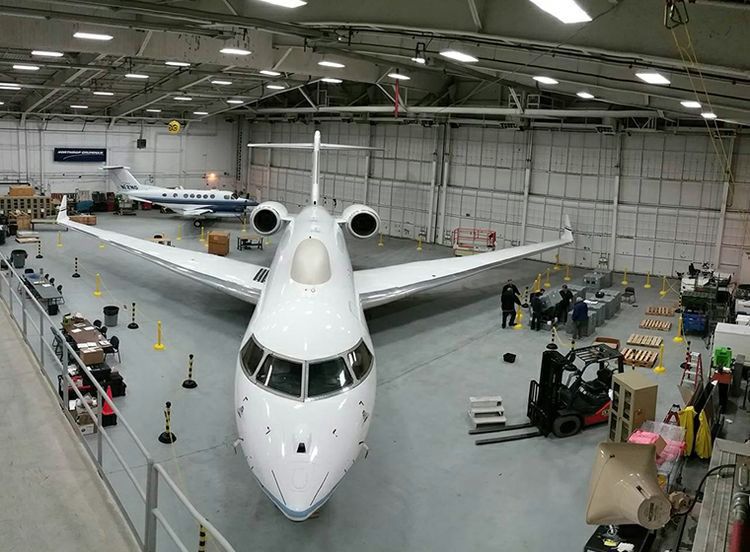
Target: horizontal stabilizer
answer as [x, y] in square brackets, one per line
[312, 146]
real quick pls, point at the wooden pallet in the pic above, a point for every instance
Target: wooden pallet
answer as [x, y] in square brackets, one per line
[645, 340]
[654, 324]
[660, 311]
[639, 357]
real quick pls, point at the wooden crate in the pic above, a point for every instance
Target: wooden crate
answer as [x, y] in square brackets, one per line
[654, 324]
[640, 358]
[645, 340]
[660, 311]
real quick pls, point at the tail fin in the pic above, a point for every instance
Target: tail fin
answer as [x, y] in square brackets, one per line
[567, 229]
[62, 210]
[123, 178]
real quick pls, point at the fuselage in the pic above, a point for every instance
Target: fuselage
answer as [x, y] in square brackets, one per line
[305, 380]
[219, 201]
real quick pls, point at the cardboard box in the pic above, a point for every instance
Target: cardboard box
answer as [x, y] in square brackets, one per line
[23, 221]
[21, 191]
[91, 356]
[218, 243]
[89, 220]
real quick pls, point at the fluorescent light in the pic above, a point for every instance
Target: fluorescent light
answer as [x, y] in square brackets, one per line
[9, 86]
[46, 53]
[221, 82]
[334, 64]
[708, 115]
[585, 95]
[154, 110]
[235, 101]
[200, 112]
[23, 67]
[691, 104]
[332, 81]
[269, 73]
[419, 59]
[275, 87]
[77, 106]
[103, 93]
[235, 51]
[653, 78]
[183, 98]
[93, 36]
[136, 76]
[567, 11]
[2, 103]
[458, 56]
[398, 76]
[286, 3]
[546, 80]
[177, 63]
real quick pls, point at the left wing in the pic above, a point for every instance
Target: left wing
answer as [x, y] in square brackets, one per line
[378, 286]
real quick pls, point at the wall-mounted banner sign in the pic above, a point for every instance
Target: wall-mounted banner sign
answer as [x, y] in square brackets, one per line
[81, 155]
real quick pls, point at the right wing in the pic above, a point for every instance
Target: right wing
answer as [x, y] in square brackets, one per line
[243, 280]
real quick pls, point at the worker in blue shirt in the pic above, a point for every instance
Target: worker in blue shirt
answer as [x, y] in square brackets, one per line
[580, 318]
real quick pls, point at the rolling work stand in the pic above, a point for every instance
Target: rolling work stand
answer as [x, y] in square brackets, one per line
[564, 408]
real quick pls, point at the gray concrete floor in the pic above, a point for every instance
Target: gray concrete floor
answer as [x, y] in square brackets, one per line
[52, 498]
[425, 485]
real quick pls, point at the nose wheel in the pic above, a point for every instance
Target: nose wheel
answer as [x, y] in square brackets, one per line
[197, 223]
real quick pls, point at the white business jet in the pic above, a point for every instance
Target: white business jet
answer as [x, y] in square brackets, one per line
[305, 377]
[195, 204]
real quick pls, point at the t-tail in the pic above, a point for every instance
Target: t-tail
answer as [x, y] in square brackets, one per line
[316, 147]
[123, 178]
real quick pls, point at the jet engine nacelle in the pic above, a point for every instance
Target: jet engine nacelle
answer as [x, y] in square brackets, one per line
[361, 221]
[267, 218]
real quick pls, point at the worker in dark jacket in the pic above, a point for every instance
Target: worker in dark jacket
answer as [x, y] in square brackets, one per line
[510, 285]
[536, 310]
[580, 318]
[566, 297]
[508, 302]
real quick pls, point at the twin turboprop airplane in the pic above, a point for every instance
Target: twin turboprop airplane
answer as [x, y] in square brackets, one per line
[196, 204]
[306, 373]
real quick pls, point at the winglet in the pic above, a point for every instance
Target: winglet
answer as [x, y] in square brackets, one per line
[62, 211]
[567, 230]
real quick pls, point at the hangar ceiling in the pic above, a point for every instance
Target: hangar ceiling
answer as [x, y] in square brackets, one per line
[513, 41]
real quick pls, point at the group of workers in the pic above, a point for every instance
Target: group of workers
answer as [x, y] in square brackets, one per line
[510, 297]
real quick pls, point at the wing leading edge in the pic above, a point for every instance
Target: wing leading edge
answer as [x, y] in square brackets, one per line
[232, 277]
[378, 286]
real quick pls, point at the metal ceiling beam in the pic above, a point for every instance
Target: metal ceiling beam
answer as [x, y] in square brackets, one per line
[153, 95]
[475, 15]
[57, 83]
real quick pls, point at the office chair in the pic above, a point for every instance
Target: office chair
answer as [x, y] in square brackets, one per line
[52, 281]
[97, 323]
[59, 290]
[629, 295]
[103, 331]
[28, 271]
[115, 349]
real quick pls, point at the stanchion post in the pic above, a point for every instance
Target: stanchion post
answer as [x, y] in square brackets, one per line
[189, 382]
[97, 285]
[75, 268]
[202, 539]
[660, 368]
[647, 285]
[663, 290]
[547, 283]
[159, 346]
[59, 239]
[567, 273]
[679, 338]
[625, 277]
[39, 250]
[167, 437]
[133, 325]
[380, 240]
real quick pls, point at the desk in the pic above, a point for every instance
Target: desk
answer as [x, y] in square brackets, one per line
[249, 243]
[92, 345]
[45, 292]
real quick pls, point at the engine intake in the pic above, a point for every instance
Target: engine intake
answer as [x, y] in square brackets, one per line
[267, 218]
[361, 221]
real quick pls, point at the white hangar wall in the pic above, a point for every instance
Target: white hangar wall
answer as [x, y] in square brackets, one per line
[661, 192]
[26, 153]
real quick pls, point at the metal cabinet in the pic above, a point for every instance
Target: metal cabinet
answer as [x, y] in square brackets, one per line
[633, 402]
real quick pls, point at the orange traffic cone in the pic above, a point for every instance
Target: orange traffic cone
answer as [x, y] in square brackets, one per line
[109, 418]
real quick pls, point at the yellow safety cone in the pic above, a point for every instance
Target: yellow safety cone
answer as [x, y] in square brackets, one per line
[648, 281]
[567, 273]
[663, 291]
[679, 338]
[419, 243]
[546, 281]
[660, 368]
[59, 239]
[159, 346]
[380, 241]
[98, 285]
[557, 263]
[518, 325]
[625, 277]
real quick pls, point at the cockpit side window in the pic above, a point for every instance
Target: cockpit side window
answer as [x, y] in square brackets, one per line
[279, 374]
[252, 353]
[360, 360]
[327, 376]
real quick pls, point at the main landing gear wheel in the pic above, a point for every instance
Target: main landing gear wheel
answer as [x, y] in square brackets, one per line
[567, 426]
[197, 223]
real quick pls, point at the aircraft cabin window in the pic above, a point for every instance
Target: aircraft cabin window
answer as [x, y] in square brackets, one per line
[251, 355]
[205, 196]
[163, 195]
[227, 197]
[327, 376]
[174, 195]
[284, 376]
[361, 360]
[212, 196]
[192, 195]
[184, 195]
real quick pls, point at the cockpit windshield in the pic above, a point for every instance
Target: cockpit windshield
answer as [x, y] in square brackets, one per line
[328, 376]
[282, 375]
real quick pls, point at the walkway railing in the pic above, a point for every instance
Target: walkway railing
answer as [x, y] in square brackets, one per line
[55, 355]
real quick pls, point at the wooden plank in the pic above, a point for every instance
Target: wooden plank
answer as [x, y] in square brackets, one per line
[645, 340]
[639, 357]
[656, 324]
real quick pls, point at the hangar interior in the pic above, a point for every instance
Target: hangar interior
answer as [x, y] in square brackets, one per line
[480, 128]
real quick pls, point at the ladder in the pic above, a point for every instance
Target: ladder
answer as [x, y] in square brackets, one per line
[692, 369]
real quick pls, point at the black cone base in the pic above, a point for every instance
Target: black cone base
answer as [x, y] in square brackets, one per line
[189, 384]
[76, 275]
[167, 438]
[40, 256]
[133, 326]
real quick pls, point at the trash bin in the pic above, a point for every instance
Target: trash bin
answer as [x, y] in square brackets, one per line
[110, 315]
[18, 258]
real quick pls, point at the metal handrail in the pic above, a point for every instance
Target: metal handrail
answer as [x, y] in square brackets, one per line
[155, 471]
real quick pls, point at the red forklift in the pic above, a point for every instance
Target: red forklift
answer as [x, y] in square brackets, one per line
[565, 408]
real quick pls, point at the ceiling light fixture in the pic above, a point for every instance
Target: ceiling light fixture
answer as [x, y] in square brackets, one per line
[2, 103]
[546, 80]
[177, 63]
[691, 104]
[154, 110]
[9, 86]
[93, 36]
[221, 82]
[200, 112]
[46, 53]
[235, 51]
[275, 87]
[286, 3]
[458, 56]
[399, 76]
[567, 11]
[269, 73]
[334, 64]
[136, 76]
[652, 78]
[419, 60]
[103, 93]
[708, 115]
[330, 80]
[585, 95]
[23, 67]
[183, 98]
[78, 106]
[420, 53]
[236, 102]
